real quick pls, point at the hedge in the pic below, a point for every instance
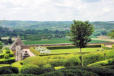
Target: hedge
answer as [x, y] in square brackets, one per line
[8, 70]
[7, 61]
[34, 69]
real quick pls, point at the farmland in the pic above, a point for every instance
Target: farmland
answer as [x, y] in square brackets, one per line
[74, 50]
[56, 41]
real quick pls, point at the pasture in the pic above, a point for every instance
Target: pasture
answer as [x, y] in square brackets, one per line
[74, 50]
[56, 41]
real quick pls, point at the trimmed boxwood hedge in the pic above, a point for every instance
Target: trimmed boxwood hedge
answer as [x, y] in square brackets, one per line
[81, 71]
[7, 61]
[8, 70]
[34, 69]
[18, 75]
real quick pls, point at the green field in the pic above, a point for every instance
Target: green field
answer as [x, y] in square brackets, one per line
[57, 41]
[74, 50]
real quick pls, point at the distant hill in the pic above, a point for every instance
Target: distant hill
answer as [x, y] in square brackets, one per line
[52, 25]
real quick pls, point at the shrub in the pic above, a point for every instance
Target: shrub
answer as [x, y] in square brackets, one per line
[18, 75]
[113, 46]
[100, 63]
[1, 45]
[32, 49]
[34, 69]
[6, 56]
[99, 71]
[102, 46]
[7, 61]
[36, 60]
[8, 70]
[91, 58]
[73, 61]
[1, 56]
[70, 72]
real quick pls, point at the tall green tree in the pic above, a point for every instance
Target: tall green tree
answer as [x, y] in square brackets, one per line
[80, 32]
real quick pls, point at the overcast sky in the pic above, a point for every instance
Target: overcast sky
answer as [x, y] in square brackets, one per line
[57, 10]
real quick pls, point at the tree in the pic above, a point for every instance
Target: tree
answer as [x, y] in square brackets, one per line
[80, 32]
[1, 45]
[0, 39]
[10, 40]
[111, 34]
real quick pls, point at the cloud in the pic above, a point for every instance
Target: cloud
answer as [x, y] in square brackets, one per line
[91, 0]
[51, 10]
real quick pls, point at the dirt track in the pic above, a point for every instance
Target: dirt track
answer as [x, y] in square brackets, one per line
[103, 39]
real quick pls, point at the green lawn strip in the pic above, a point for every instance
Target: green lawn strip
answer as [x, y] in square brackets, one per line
[99, 63]
[74, 50]
[59, 67]
[4, 65]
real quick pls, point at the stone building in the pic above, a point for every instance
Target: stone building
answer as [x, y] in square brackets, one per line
[20, 52]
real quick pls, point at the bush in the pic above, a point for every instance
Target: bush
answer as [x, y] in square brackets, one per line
[73, 61]
[32, 49]
[113, 46]
[1, 56]
[18, 75]
[35, 60]
[34, 69]
[70, 72]
[91, 58]
[7, 61]
[8, 70]
[102, 46]
[99, 71]
[99, 64]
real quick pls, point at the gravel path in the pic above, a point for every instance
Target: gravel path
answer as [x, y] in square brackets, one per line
[29, 52]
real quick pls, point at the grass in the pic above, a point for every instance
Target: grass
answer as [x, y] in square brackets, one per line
[51, 41]
[59, 67]
[74, 50]
[4, 65]
[57, 41]
[17, 64]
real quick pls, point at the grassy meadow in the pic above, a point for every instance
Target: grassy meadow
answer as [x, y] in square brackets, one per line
[56, 41]
[74, 50]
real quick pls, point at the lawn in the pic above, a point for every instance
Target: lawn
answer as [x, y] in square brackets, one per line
[57, 41]
[74, 50]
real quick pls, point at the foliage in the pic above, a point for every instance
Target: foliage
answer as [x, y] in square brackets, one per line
[111, 34]
[36, 60]
[93, 57]
[113, 46]
[34, 51]
[98, 71]
[8, 70]
[33, 69]
[7, 56]
[80, 32]
[70, 72]
[102, 46]
[10, 41]
[17, 64]
[7, 61]
[1, 45]
[18, 75]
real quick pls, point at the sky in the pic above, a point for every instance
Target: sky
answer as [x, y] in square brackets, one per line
[57, 10]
